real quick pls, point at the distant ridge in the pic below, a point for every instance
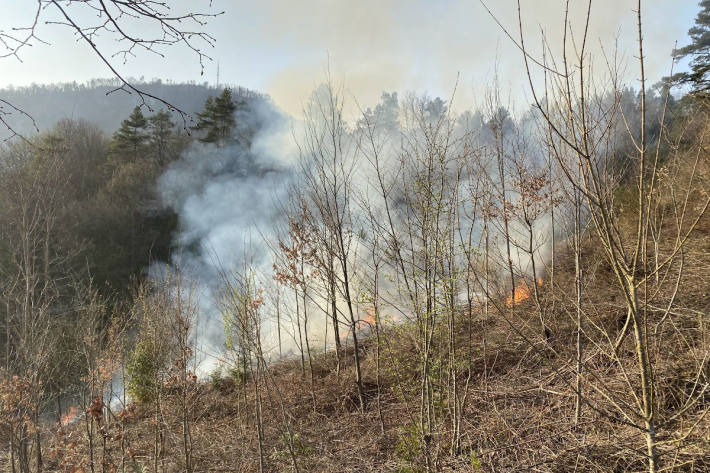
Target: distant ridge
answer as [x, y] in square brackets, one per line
[94, 101]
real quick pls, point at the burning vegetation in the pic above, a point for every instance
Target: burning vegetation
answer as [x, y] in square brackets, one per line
[389, 317]
[522, 292]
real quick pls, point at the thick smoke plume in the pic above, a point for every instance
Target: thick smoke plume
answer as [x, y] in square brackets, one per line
[228, 199]
[231, 198]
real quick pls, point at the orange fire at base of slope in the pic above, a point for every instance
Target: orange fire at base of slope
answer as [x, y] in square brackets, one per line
[367, 322]
[522, 292]
[69, 417]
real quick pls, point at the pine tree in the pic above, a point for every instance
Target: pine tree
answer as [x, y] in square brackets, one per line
[161, 133]
[206, 118]
[131, 137]
[699, 51]
[217, 120]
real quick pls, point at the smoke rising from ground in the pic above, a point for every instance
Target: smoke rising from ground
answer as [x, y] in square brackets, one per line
[231, 198]
[227, 198]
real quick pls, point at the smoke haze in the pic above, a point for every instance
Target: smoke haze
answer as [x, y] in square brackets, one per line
[227, 198]
[283, 47]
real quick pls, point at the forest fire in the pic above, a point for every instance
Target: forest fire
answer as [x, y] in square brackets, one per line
[368, 321]
[362, 324]
[69, 417]
[522, 292]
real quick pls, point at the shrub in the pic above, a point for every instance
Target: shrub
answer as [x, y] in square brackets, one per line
[142, 371]
[408, 449]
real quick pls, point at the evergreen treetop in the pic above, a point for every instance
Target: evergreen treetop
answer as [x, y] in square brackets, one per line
[161, 129]
[217, 120]
[699, 51]
[131, 136]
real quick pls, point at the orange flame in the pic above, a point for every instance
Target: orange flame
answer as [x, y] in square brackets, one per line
[362, 324]
[522, 292]
[368, 321]
[69, 417]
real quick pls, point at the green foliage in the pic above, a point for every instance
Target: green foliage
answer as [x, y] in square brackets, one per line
[131, 137]
[105, 217]
[217, 120]
[238, 375]
[408, 449]
[475, 462]
[161, 135]
[699, 52]
[122, 229]
[216, 378]
[160, 124]
[142, 371]
[300, 446]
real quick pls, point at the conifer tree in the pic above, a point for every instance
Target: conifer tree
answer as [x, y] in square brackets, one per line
[130, 138]
[205, 118]
[161, 133]
[217, 120]
[699, 52]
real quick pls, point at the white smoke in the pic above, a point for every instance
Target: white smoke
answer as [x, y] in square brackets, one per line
[228, 200]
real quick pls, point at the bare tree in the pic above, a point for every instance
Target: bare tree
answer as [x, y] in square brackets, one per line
[91, 22]
[418, 196]
[328, 165]
[182, 375]
[583, 124]
[34, 196]
[296, 271]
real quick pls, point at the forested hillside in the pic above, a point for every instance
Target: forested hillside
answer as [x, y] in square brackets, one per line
[99, 102]
[83, 205]
[411, 289]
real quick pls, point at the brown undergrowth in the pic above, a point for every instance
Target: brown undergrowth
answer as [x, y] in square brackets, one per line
[518, 414]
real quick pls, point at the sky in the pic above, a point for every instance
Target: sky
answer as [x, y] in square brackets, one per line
[285, 48]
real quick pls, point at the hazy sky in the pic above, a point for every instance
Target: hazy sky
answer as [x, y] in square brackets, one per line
[283, 47]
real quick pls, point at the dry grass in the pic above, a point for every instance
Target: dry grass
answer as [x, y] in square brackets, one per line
[519, 409]
[517, 418]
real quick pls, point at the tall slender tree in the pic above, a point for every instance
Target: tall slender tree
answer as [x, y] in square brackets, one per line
[217, 120]
[699, 51]
[160, 126]
[131, 137]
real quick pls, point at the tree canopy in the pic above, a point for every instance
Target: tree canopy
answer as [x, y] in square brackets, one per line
[130, 138]
[217, 120]
[699, 52]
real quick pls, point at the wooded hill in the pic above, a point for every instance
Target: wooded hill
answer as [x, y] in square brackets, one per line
[99, 103]
[447, 292]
